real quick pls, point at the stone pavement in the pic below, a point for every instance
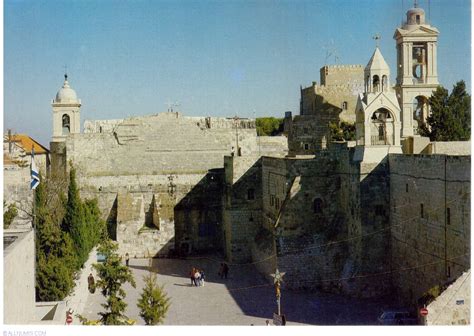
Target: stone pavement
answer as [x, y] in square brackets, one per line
[232, 302]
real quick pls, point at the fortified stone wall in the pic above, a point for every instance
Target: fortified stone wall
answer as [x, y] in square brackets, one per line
[307, 135]
[177, 159]
[449, 148]
[334, 100]
[19, 276]
[242, 206]
[143, 229]
[333, 75]
[300, 199]
[16, 189]
[430, 220]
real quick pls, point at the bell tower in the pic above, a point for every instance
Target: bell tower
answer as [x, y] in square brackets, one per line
[417, 69]
[66, 113]
[377, 114]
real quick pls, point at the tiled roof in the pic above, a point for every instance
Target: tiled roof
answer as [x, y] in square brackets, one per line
[27, 143]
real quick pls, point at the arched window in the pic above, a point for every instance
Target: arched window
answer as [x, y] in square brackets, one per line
[344, 106]
[317, 206]
[375, 83]
[384, 83]
[66, 124]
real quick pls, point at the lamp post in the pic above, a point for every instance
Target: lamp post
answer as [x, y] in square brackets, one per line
[236, 122]
[277, 279]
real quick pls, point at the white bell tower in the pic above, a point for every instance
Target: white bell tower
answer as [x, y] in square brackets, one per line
[417, 69]
[377, 114]
[66, 113]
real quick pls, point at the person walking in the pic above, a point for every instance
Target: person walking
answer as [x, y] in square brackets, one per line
[197, 278]
[225, 270]
[192, 276]
[127, 259]
[221, 271]
[91, 283]
[202, 278]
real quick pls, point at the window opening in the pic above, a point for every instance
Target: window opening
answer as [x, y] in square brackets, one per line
[251, 194]
[317, 206]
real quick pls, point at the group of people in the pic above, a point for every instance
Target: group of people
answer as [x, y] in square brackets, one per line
[197, 277]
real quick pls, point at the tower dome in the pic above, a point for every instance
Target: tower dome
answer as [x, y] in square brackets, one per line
[415, 16]
[66, 94]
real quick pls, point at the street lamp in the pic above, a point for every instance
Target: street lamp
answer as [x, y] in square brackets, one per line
[277, 279]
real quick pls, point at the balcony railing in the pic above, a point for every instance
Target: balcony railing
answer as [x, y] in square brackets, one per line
[380, 140]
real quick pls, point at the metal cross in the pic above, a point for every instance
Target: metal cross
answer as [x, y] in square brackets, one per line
[376, 38]
[65, 72]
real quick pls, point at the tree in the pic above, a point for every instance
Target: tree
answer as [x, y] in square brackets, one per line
[74, 222]
[9, 215]
[153, 302]
[269, 126]
[342, 132]
[112, 275]
[450, 118]
[55, 254]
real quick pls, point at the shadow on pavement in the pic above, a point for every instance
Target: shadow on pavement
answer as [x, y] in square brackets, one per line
[255, 296]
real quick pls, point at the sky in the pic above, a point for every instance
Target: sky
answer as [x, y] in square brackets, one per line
[215, 58]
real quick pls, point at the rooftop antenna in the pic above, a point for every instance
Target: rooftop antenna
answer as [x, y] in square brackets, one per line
[331, 51]
[403, 6]
[429, 11]
[376, 37]
[175, 104]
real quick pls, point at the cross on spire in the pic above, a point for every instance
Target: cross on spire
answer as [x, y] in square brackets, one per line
[65, 72]
[376, 38]
[415, 4]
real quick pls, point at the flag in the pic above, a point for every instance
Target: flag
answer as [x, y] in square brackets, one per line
[35, 179]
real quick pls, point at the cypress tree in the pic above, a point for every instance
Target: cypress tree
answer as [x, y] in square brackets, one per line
[74, 222]
[450, 118]
[55, 254]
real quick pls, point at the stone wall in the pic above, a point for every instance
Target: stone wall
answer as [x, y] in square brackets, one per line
[291, 188]
[430, 220]
[242, 206]
[449, 148]
[19, 276]
[177, 159]
[334, 100]
[334, 75]
[137, 236]
[16, 189]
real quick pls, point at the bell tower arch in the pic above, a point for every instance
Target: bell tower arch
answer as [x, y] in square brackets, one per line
[66, 113]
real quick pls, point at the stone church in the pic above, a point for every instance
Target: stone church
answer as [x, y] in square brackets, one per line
[386, 214]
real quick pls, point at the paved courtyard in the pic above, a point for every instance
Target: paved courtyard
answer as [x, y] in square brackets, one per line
[242, 299]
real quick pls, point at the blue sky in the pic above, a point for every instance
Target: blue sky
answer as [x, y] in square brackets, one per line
[217, 58]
